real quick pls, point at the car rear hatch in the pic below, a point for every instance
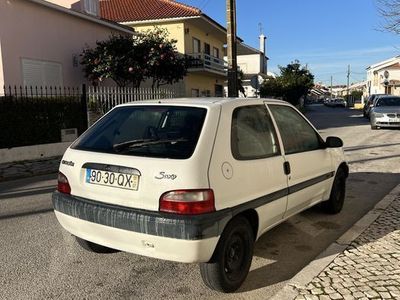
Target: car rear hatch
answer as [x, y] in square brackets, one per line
[136, 153]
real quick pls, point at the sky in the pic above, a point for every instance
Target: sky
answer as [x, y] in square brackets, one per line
[325, 35]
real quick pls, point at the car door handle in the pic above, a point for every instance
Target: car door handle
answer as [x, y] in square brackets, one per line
[286, 167]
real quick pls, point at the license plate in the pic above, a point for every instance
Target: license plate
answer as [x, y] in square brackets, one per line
[112, 179]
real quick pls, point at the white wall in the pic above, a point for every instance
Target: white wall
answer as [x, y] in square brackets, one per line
[250, 64]
[33, 31]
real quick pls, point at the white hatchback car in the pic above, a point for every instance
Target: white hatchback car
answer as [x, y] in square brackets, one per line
[196, 180]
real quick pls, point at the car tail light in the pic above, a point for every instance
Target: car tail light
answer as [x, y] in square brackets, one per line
[63, 184]
[188, 202]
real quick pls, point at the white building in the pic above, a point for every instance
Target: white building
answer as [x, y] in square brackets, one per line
[384, 77]
[253, 64]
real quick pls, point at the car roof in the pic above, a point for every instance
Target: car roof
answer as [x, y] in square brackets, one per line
[206, 101]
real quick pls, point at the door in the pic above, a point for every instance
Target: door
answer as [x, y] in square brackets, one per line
[307, 163]
[258, 164]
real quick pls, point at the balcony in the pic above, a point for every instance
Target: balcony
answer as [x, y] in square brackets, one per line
[201, 62]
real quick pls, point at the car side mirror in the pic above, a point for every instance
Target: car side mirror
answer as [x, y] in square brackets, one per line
[333, 142]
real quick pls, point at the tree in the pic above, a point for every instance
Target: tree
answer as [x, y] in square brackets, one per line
[271, 87]
[294, 82]
[164, 64]
[114, 58]
[131, 60]
[390, 11]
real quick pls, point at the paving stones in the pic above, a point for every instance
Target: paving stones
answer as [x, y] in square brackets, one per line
[368, 269]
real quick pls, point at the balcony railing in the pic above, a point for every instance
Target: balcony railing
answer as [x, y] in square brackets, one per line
[202, 61]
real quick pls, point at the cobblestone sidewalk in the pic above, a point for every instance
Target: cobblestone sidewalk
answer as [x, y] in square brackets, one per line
[28, 168]
[368, 269]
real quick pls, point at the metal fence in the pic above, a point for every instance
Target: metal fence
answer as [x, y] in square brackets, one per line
[107, 97]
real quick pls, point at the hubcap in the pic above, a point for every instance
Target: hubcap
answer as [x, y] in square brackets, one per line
[234, 256]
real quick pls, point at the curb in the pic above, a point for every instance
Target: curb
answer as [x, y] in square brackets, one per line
[315, 267]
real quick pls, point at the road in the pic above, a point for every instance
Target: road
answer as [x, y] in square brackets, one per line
[39, 260]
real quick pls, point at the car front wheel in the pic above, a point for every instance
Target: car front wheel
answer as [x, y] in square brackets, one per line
[232, 258]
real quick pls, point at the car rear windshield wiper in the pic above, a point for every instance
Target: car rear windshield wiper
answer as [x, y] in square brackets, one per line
[120, 146]
[144, 142]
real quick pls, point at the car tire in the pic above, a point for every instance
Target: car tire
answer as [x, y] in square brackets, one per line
[335, 202]
[374, 127]
[232, 257]
[93, 247]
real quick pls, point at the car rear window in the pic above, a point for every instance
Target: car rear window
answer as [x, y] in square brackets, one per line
[151, 131]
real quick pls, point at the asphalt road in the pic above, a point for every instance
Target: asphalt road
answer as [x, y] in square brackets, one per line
[39, 260]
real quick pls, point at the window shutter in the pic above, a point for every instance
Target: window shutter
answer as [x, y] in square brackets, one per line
[32, 73]
[52, 74]
[41, 73]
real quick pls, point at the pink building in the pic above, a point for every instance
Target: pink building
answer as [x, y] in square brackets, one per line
[40, 41]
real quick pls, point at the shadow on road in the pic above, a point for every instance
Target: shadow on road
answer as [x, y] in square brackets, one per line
[290, 246]
[26, 197]
[322, 116]
[364, 147]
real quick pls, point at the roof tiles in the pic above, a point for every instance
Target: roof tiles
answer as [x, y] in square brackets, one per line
[141, 10]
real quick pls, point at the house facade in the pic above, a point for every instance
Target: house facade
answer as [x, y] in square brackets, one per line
[384, 77]
[42, 48]
[198, 36]
[253, 63]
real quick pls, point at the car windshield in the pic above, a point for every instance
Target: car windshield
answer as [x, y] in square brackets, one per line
[153, 131]
[394, 101]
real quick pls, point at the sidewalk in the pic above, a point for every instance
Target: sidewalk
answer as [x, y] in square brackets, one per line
[362, 264]
[28, 168]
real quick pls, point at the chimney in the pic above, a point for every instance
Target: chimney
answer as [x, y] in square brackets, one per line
[263, 50]
[262, 38]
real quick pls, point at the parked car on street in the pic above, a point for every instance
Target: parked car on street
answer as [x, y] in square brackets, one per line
[386, 112]
[336, 102]
[196, 180]
[370, 103]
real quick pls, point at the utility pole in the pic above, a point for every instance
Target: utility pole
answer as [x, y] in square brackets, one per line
[348, 83]
[331, 85]
[231, 48]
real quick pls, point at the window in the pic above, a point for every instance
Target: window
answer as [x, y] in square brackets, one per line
[41, 73]
[297, 134]
[196, 46]
[195, 93]
[215, 52]
[252, 133]
[151, 131]
[91, 7]
[207, 49]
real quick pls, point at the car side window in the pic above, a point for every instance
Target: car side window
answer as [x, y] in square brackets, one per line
[252, 133]
[296, 133]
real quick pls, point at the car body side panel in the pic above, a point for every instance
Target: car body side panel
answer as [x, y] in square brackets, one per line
[238, 181]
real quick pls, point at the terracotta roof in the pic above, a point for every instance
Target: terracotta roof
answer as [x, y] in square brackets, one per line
[141, 10]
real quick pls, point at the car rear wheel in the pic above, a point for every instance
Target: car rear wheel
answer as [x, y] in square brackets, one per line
[336, 200]
[93, 247]
[232, 258]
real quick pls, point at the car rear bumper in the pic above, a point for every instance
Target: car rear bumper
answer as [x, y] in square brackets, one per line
[177, 238]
